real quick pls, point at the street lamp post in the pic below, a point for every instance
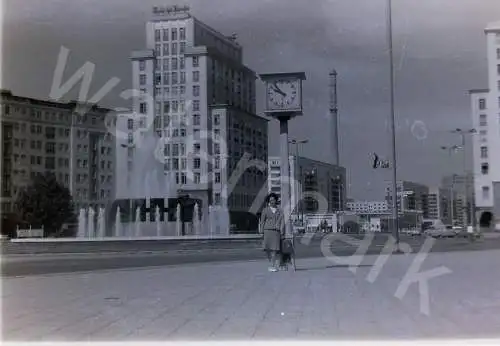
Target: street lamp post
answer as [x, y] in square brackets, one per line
[462, 134]
[297, 186]
[393, 126]
[452, 150]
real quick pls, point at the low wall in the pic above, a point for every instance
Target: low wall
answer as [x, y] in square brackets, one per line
[126, 244]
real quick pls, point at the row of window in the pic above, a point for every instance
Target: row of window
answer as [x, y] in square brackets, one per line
[171, 106]
[83, 193]
[83, 178]
[167, 49]
[84, 164]
[175, 34]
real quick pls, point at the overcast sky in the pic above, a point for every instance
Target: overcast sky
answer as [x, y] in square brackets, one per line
[439, 50]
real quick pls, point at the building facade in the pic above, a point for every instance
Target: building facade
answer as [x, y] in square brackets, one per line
[411, 196]
[308, 179]
[485, 111]
[41, 136]
[368, 207]
[202, 98]
[459, 191]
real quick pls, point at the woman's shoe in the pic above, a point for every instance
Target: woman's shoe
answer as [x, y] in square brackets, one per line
[272, 269]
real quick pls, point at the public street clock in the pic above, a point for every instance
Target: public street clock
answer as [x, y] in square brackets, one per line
[283, 93]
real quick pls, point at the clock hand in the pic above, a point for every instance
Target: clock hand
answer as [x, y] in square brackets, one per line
[278, 90]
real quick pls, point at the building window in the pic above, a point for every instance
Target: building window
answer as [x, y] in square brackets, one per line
[174, 64]
[175, 106]
[165, 49]
[130, 124]
[196, 76]
[196, 119]
[483, 121]
[165, 64]
[485, 168]
[196, 178]
[174, 34]
[216, 119]
[183, 77]
[143, 108]
[182, 63]
[158, 49]
[484, 152]
[217, 178]
[196, 163]
[158, 78]
[217, 162]
[142, 79]
[196, 90]
[196, 105]
[182, 89]
[486, 192]
[498, 69]
[182, 33]
[142, 65]
[174, 48]
[182, 47]
[196, 61]
[165, 78]
[482, 103]
[157, 35]
[217, 198]
[196, 148]
[196, 134]
[174, 78]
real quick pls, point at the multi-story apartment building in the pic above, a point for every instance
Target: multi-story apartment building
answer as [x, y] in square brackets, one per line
[459, 191]
[44, 136]
[439, 206]
[193, 80]
[485, 110]
[368, 207]
[411, 196]
[310, 177]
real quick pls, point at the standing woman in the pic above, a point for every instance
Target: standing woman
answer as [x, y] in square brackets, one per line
[272, 224]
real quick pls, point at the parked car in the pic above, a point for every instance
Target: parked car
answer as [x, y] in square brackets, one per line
[441, 232]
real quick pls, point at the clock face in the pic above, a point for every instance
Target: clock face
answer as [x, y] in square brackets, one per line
[283, 94]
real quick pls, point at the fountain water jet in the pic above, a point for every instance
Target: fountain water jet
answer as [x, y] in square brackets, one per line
[178, 223]
[82, 224]
[91, 223]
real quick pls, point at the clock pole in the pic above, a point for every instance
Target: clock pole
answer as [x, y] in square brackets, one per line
[285, 172]
[283, 102]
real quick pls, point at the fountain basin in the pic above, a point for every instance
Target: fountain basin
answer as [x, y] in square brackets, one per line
[132, 239]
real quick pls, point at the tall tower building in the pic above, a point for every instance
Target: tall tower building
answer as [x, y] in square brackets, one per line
[485, 110]
[203, 100]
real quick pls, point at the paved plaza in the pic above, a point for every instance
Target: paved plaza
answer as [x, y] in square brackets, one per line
[241, 300]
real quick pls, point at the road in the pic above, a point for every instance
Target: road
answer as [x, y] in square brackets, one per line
[25, 265]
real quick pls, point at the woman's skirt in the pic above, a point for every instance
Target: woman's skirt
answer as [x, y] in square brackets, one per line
[272, 240]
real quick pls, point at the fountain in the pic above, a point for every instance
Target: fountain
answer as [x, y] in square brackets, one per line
[178, 222]
[101, 224]
[91, 223]
[157, 219]
[118, 223]
[82, 224]
[137, 222]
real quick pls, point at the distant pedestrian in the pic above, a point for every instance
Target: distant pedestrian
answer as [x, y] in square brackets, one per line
[272, 225]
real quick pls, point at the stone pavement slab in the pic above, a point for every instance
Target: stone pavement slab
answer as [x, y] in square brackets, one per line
[241, 300]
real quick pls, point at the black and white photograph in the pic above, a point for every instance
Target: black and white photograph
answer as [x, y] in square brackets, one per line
[236, 170]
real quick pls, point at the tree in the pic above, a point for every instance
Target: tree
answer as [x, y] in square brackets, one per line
[45, 202]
